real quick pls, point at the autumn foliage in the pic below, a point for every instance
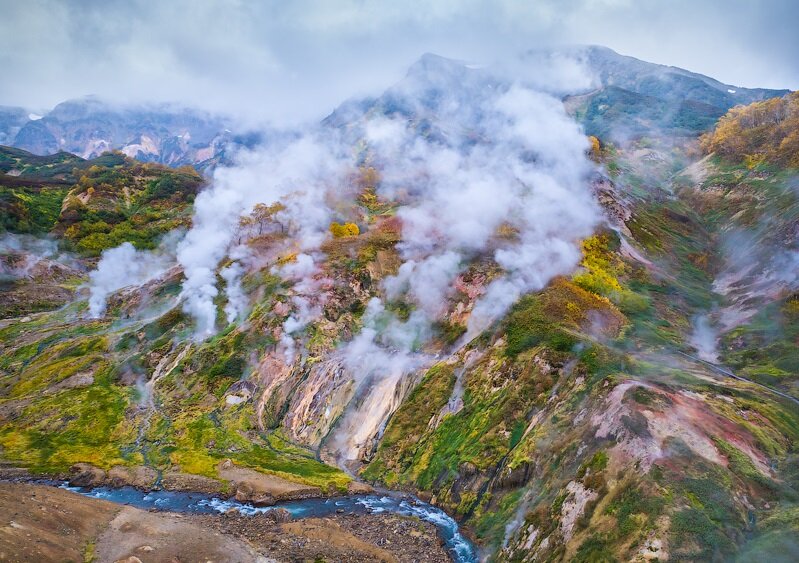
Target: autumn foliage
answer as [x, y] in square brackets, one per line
[346, 230]
[766, 131]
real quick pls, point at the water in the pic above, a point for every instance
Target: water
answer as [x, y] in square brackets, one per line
[460, 549]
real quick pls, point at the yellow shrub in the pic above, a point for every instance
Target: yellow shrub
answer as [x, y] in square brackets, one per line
[346, 230]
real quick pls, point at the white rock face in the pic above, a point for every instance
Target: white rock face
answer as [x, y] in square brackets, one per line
[574, 507]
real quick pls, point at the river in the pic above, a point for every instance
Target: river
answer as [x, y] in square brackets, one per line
[460, 549]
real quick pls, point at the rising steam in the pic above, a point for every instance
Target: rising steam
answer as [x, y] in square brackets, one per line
[464, 152]
[125, 266]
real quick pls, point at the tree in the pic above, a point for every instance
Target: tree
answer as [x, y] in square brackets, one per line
[762, 131]
[596, 148]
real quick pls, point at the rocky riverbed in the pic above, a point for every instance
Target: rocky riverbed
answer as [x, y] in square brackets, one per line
[44, 523]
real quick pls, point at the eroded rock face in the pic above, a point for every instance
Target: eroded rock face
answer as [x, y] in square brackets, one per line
[318, 401]
[86, 475]
[275, 380]
[574, 507]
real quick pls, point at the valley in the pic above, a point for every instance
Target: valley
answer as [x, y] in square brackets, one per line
[567, 318]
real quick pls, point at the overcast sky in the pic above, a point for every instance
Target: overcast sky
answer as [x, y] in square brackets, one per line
[284, 60]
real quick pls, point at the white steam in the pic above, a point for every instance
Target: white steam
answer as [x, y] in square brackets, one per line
[525, 172]
[302, 168]
[236, 300]
[529, 175]
[704, 339]
[307, 300]
[481, 169]
[124, 266]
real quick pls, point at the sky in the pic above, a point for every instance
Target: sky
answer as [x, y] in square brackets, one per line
[292, 61]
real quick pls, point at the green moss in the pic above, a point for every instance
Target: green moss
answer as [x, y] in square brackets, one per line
[691, 525]
[741, 465]
[409, 423]
[492, 518]
[77, 425]
[552, 317]
[597, 463]
[596, 549]
[630, 503]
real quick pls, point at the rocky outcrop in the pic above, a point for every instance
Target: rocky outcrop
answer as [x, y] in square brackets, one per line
[262, 489]
[318, 401]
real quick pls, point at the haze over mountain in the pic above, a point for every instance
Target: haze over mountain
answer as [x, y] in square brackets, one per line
[296, 62]
[547, 306]
[644, 95]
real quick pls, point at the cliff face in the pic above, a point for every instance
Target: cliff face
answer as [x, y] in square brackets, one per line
[581, 423]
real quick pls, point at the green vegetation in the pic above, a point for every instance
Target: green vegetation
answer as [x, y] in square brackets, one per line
[131, 202]
[74, 425]
[32, 209]
[555, 316]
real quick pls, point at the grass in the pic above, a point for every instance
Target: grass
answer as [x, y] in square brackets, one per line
[552, 317]
[77, 425]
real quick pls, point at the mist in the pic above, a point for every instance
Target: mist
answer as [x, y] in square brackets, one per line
[125, 266]
[296, 62]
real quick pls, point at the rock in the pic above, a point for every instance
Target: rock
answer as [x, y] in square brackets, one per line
[280, 515]
[140, 476]
[77, 381]
[359, 488]
[86, 475]
[245, 492]
[146, 548]
[178, 481]
[263, 499]
[131, 559]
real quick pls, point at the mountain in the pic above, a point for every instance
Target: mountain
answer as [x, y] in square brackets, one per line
[583, 349]
[11, 121]
[666, 82]
[636, 96]
[620, 98]
[89, 126]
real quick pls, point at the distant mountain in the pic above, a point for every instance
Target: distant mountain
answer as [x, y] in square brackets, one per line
[11, 121]
[629, 98]
[634, 97]
[89, 126]
[666, 82]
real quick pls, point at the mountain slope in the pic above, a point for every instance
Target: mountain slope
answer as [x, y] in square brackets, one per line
[578, 423]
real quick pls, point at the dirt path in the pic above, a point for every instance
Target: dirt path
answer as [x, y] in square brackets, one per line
[48, 524]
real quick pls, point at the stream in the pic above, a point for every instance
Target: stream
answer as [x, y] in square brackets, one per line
[460, 549]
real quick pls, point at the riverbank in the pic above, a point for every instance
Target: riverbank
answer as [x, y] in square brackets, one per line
[242, 483]
[46, 523]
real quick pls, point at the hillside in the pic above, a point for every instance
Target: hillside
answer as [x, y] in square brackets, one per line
[582, 349]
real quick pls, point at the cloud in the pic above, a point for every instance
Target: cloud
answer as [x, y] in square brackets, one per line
[296, 61]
